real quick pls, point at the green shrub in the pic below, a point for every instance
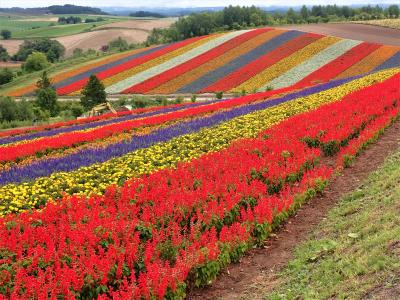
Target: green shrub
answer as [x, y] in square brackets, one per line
[6, 76]
[35, 62]
[219, 95]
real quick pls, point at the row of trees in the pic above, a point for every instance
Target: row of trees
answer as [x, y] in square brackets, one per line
[237, 17]
[69, 20]
[78, 20]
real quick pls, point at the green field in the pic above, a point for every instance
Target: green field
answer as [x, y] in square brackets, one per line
[355, 253]
[23, 27]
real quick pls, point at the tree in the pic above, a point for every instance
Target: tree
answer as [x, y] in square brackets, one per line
[6, 34]
[393, 11]
[46, 96]
[35, 62]
[93, 93]
[4, 54]
[52, 48]
[44, 81]
[119, 44]
[8, 109]
[6, 76]
[304, 13]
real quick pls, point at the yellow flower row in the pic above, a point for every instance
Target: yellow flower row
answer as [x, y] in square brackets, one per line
[95, 178]
[284, 65]
[175, 84]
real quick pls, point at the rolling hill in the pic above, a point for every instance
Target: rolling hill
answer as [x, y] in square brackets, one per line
[235, 62]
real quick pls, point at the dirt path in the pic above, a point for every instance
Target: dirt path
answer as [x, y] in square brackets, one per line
[362, 32]
[256, 274]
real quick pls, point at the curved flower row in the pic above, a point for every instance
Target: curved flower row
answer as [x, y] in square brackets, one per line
[215, 54]
[68, 138]
[309, 66]
[99, 121]
[142, 240]
[13, 172]
[286, 64]
[182, 148]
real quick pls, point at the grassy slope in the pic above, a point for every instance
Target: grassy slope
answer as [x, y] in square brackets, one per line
[22, 29]
[355, 253]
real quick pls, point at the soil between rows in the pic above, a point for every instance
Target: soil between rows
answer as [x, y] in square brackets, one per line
[256, 274]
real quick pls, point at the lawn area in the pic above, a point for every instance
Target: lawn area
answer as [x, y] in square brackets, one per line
[355, 252]
[35, 27]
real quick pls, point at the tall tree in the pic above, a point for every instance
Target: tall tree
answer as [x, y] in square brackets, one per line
[93, 93]
[46, 96]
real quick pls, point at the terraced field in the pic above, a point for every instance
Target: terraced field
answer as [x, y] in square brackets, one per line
[240, 61]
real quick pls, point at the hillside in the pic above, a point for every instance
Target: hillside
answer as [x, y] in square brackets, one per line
[233, 62]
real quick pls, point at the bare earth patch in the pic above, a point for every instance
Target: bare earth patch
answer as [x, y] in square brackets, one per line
[361, 32]
[256, 274]
[96, 39]
[11, 45]
[147, 25]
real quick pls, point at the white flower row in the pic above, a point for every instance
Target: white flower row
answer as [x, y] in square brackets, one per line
[180, 59]
[309, 66]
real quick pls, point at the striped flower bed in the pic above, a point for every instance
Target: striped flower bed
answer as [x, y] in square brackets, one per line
[285, 64]
[370, 62]
[93, 169]
[340, 64]
[237, 61]
[301, 71]
[212, 55]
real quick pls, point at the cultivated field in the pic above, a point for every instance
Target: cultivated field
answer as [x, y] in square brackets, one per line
[240, 61]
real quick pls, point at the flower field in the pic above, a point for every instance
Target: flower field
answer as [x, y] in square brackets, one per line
[246, 60]
[146, 203]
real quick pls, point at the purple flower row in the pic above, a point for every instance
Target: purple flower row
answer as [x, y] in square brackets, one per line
[88, 157]
[51, 132]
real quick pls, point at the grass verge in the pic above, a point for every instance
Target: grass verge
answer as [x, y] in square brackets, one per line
[355, 252]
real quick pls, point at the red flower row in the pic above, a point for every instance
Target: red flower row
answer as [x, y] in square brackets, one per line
[142, 240]
[20, 131]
